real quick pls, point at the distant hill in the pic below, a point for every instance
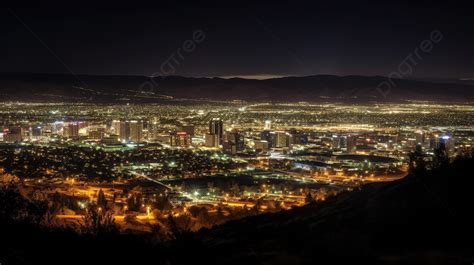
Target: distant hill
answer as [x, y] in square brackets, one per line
[89, 88]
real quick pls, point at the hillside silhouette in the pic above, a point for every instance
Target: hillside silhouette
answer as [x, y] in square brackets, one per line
[424, 218]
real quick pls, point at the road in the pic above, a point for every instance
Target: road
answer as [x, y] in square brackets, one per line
[152, 180]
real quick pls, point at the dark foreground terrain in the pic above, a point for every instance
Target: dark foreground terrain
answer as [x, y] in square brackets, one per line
[423, 219]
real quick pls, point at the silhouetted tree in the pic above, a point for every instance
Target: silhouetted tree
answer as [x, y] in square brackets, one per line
[417, 162]
[441, 157]
[309, 198]
[134, 202]
[163, 204]
[97, 221]
[101, 200]
[220, 214]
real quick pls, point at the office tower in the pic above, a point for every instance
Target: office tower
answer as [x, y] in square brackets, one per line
[267, 136]
[115, 128]
[130, 130]
[448, 142]
[71, 130]
[36, 132]
[233, 142]
[181, 139]
[153, 131]
[298, 137]
[261, 146]
[123, 131]
[136, 131]
[280, 139]
[211, 140]
[216, 127]
[420, 137]
[345, 143]
[268, 125]
[57, 127]
[351, 141]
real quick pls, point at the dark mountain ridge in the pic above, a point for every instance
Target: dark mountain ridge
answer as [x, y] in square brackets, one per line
[317, 88]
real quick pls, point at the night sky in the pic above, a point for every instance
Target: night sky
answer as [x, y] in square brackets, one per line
[254, 40]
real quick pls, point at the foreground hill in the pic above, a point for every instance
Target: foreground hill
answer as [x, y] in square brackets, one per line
[87, 88]
[418, 220]
[422, 219]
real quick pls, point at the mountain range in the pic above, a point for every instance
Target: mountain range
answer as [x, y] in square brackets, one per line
[317, 88]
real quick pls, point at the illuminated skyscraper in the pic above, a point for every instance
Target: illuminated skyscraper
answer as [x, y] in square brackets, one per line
[116, 127]
[281, 139]
[448, 142]
[345, 143]
[153, 130]
[233, 142]
[216, 127]
[267, 136]
[181, 139]
[136, 131]
[212, 140]
[261, 146]
[268, 125]
[71, 130]
[130, 130]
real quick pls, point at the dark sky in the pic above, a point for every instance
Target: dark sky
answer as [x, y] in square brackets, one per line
[294, 39]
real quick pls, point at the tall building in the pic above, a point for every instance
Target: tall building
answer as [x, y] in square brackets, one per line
[351, 143]
[216, 127]
[116, 127]
[129, 130]
[211, 140]
[261, 146]
[266, 135]
[56, 127]
[268, 125]
[298, 137]
[345, 143]
[448, 142]
[71, 130]
[153, 131]
[420, 137]
[136, 131]
[181, 139]
[123, 131]
[36, 132]
[280, 139]
[233, 142]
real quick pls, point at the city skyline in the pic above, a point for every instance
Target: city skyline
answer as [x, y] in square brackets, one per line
[324, 132]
